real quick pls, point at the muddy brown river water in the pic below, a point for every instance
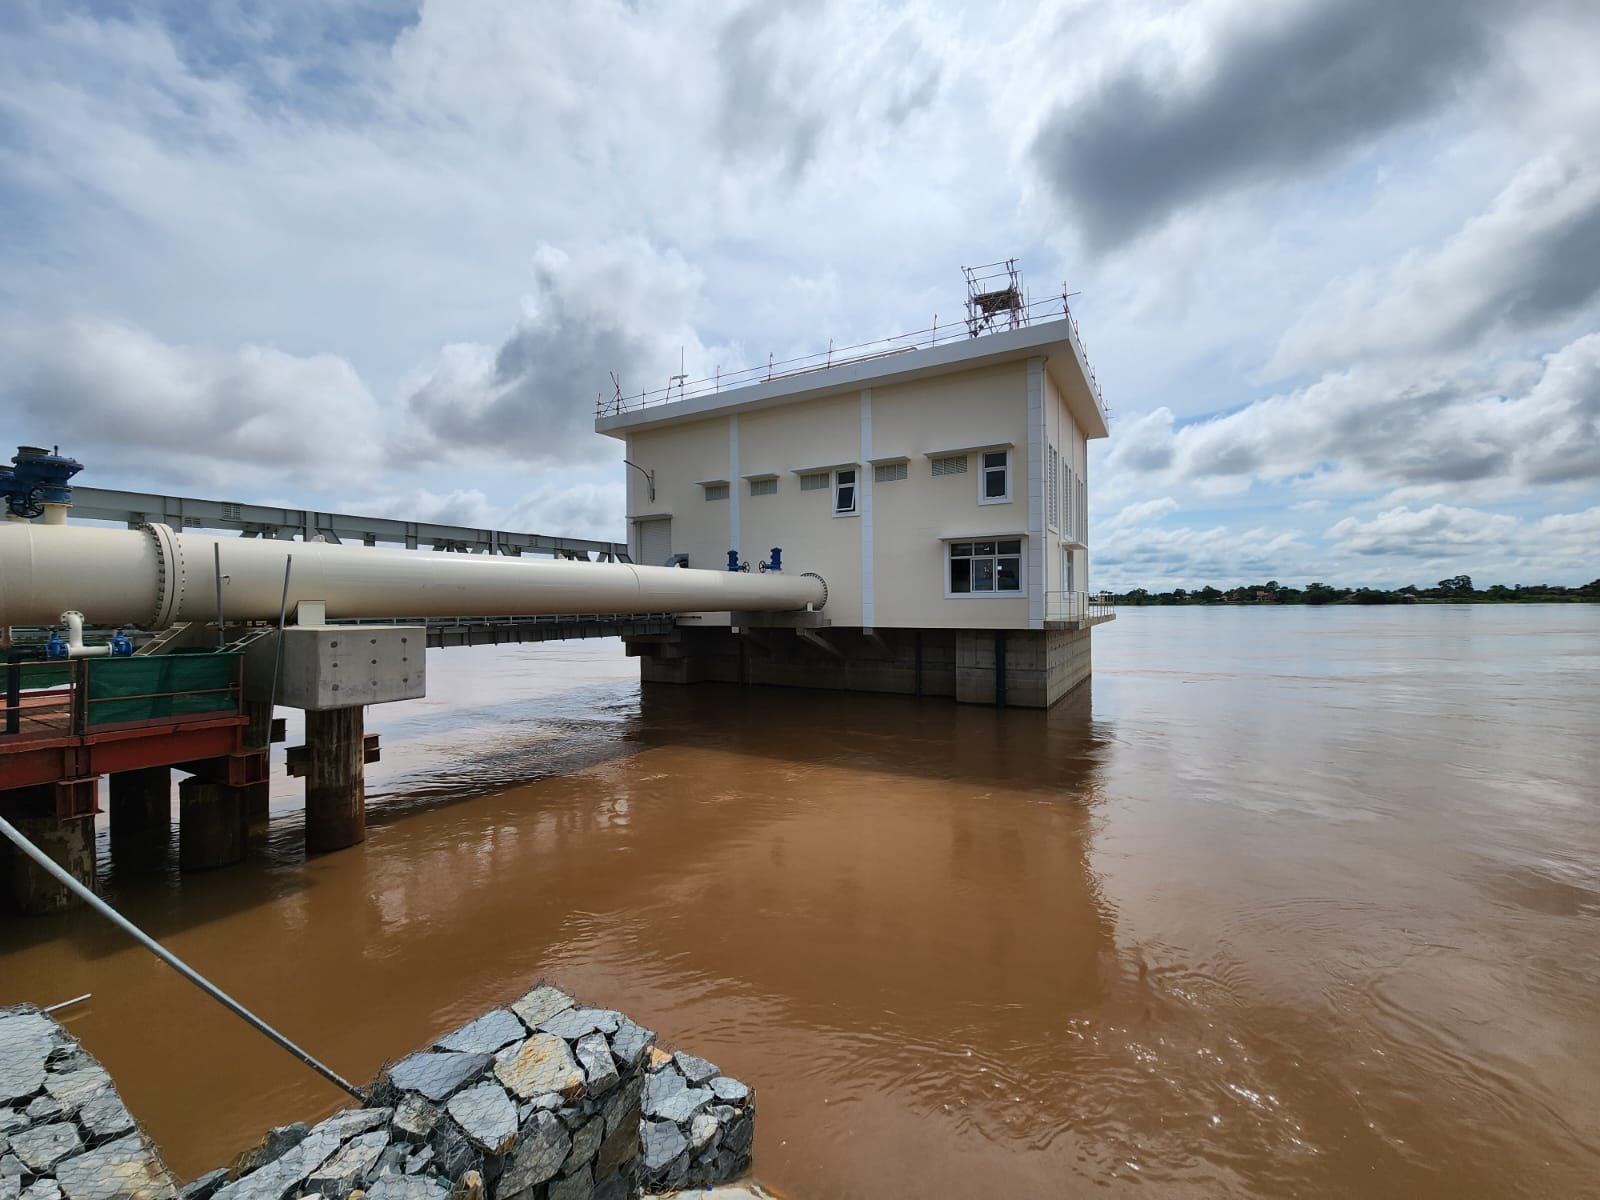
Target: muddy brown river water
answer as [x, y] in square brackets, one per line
[1285, 902]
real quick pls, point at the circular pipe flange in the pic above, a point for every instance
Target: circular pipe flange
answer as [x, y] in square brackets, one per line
[169, 573]
[823, 582]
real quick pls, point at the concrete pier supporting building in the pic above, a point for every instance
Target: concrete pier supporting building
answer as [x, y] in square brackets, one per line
[1011, 668]
[211, 825]
[335, 774]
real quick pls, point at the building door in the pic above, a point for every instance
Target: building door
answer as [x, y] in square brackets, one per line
[655, 541]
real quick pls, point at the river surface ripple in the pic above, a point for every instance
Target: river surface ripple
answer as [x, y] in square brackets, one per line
[1285, 902]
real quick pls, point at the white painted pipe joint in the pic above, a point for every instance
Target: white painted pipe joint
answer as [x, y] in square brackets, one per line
[73, 620]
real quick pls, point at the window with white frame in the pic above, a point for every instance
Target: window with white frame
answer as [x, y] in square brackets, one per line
[995, 482]
[764, 487]
[950, 464]
[986, 567]
[889, 472]
[816, 481]
[716, 491]
[844, 492]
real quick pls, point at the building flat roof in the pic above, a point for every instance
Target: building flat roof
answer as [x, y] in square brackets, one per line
[1056, 341]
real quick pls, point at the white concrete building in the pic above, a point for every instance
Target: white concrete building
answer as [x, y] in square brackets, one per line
[940, 491]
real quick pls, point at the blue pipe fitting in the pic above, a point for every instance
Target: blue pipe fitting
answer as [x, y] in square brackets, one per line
[37, 477]
[775, 563]
[733, 561]
[121, 645]
[55, 647]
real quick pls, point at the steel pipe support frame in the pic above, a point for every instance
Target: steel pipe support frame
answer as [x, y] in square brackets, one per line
[336, 794]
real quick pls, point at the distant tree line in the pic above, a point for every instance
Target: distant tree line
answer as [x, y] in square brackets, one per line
[1455, 590]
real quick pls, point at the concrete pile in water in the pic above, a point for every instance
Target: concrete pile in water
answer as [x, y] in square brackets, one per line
[543, 1100]
[64, 1131]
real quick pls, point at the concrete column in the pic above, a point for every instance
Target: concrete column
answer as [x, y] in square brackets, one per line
[258, 736]
[336, 794]
[141, 800]
[211, 825]
[141, 816]
[70, 843]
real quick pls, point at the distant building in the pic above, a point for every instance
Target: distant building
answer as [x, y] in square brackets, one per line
[941, 492]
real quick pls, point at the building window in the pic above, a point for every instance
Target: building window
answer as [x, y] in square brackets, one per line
[986, 568]
[889, 472]
[763, 487]
[844, 491]
[716, 491]
[815, 482]
[996, 481]
[950, 464]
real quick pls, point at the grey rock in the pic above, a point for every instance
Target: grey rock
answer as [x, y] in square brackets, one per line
[455, 1151]
[348, 1123]
[419, 1160]
[41, 1147]
[696, 1070]
[668, 1097]
[414, 1118]
[541, 1004]
[703, 1131]
[623, 1104]
[339, 1175]
[539, 1065]
[11, 1166]
[10, 1118]
[436, 1074]
[577, 1186]
[10, 1187]
[43, 1189]
[278, 1142]
[126, 1169]
[274, 1179]
[26, 1040]
[104, 1115]
[586, 1141]
[613, 1187]
[663, 1142]
[740, 1134]
[71, 1088]
[391, 1160]
[630, 1042]
[619, 1149]
[599, 1068]
[206, 1186]
[42, 1108]
[409, 1187]
[487, 1116]
[485, 1035]
[729, 1091]
[678, 1172]
[575, 1023]
[539, 1154]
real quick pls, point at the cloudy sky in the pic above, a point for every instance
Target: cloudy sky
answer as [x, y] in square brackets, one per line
[1339, 260]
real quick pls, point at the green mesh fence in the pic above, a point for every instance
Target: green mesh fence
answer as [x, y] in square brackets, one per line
[145, 688]
[44, 674]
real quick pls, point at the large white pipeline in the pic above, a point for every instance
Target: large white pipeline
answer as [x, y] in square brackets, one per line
[154, 577]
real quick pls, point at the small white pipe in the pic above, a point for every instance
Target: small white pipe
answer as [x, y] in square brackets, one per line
[73, 620]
